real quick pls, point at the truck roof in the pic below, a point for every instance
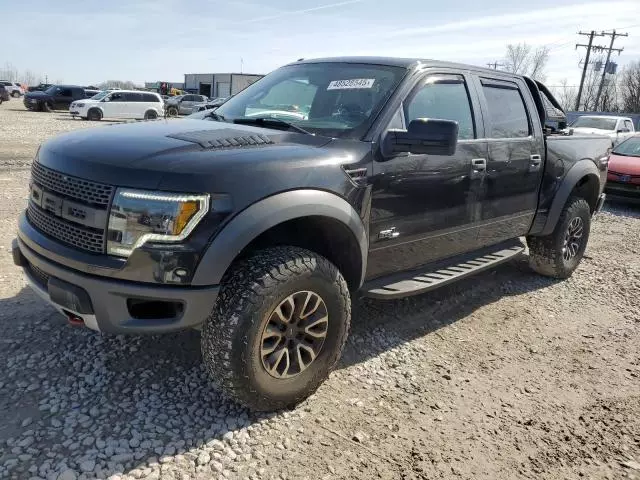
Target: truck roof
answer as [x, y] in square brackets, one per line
[402, 62]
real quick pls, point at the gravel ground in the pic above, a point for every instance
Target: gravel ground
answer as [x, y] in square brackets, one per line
[504, 376]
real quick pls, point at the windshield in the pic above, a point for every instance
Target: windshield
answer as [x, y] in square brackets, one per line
[596, 122]
[630, 147]
[100, 95]
[331, 99]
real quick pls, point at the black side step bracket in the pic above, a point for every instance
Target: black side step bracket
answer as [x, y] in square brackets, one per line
[437, 275]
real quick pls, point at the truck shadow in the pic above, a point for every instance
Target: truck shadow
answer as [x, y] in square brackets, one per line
[623, 207]
[129, 401]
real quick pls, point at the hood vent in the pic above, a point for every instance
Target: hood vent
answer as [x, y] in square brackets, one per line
[224, 139]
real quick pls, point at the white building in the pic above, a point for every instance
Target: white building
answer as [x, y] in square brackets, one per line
[218, 84]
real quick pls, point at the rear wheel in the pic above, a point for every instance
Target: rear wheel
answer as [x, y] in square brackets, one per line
[15, 94]
[151, 115]
[94, 115]
[278, 327]
[172, 111]
[46, 107]
[557, 255]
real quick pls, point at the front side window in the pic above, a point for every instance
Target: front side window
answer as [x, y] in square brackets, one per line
[444, 97]
[507, 112]
[117, 97]
[628, 126]
[332, 99]
[64, 92]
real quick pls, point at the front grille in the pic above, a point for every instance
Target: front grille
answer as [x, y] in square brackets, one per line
[89, 239]
[42, 278]
[72, 187]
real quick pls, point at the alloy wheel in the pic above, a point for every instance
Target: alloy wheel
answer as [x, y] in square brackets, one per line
[294, 334]
[573, 238]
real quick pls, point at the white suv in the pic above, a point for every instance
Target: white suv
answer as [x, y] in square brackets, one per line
[119, 104]
[14, 89]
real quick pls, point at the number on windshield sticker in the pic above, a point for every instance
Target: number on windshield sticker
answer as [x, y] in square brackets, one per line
[354, 83]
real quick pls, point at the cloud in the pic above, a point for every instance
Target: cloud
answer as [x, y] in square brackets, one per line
[298, 12]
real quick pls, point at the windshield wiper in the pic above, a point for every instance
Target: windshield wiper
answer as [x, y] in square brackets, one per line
[216, 116]
[274, 122]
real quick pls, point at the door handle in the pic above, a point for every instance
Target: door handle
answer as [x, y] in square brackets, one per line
[535, 161]
[478, 167]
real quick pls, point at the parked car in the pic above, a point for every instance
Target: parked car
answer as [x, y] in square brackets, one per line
[119, 104]
[14, 88]
[209, 105]
[41, 87]
[616, 128]
[56, 97]
[623, 178]
[4, 94]
[404, 176]
[183, 104]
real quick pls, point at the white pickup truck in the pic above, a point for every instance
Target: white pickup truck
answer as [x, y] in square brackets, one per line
[616, 128]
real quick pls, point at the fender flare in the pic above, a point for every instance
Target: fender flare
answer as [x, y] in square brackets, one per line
[578, 171]
[267, 213]
[95, 108]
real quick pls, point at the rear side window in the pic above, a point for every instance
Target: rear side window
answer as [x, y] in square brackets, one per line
[6, 84]
[444, 97]
[132, 97]
[507, 112]
[65, 92]
[150, 97]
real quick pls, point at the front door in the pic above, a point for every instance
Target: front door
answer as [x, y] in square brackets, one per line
[114, 108]
[516, 153]
[62, 98]
[427, 207]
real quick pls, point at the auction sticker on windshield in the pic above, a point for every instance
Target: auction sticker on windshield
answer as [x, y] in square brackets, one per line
[351, 84]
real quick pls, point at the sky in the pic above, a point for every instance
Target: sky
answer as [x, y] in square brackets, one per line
[88, 41]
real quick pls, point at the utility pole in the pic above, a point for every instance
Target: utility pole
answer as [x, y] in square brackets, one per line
[586, 62]
[495, 65]
[613, 36]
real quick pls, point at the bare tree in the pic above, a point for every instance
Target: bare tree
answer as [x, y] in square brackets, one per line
[9, 72]
[630, 88]
[126, 84]
[566, 95]
[29, 77]
[522, 59]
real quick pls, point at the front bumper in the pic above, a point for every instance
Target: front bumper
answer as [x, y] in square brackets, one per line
[114, 306]
[619, 189]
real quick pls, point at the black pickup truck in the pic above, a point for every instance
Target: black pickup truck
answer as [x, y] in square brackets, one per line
[326, 180]
[56, 97]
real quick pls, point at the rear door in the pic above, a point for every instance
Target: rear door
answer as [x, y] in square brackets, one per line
[515, 156]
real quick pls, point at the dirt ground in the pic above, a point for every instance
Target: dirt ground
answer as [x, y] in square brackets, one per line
[507, 375]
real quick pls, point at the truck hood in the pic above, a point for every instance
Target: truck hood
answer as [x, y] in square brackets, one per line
[173, 152]
[36, 94]
[624, 164]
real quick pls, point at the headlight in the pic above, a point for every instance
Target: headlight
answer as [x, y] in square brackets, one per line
[79, 104]
[138, 216]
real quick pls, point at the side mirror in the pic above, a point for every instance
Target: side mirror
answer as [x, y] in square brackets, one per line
[426, 136]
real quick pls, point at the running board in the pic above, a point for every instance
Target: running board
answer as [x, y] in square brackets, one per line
[432, 277]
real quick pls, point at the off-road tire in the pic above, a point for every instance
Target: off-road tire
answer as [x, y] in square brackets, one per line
[251, 290]
[150, 115]
[546, 252]
[94, 115]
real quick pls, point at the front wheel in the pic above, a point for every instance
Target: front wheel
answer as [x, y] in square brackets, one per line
[172, 111]
[94, 115]
[277, 329]
[15, 94]
[557, 255]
